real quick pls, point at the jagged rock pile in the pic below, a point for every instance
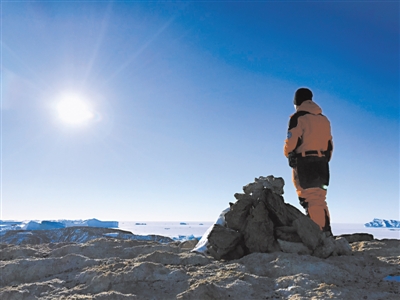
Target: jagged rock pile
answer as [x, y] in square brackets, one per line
[260, 221]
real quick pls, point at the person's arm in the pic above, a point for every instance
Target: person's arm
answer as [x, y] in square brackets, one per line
[329, 151]
[294, 135]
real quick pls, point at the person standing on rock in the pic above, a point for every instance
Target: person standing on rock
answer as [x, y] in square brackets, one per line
[309, 147]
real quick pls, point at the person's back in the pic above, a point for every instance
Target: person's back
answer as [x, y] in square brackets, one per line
[309, 148]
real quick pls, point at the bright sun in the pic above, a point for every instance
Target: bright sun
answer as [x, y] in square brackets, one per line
[74, 109]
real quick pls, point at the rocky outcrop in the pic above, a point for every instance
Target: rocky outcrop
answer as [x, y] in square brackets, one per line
[261, 222]
[112, 269]
[72, 234]
[357, 237]
[118, 266]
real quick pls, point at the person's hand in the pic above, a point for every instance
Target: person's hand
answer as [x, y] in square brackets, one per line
[292, 160]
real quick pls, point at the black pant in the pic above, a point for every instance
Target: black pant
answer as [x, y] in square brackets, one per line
[313, 171]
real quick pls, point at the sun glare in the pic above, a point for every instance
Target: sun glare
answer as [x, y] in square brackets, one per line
[73, 109]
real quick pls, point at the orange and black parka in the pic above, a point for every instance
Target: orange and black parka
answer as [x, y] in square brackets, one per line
[309, 130]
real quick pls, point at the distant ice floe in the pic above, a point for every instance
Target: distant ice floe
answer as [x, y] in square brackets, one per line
[28, 226]
[48, 225]
[186, 237]
[381, 223]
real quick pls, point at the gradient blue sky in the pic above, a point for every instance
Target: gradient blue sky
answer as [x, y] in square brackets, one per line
[191, 102]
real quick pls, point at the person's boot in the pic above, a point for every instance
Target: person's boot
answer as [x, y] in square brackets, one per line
[327, 228]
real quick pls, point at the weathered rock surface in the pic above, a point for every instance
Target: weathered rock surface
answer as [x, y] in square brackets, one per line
[236, 217]
[260, 221]
[72, 234]
[357, 237]
[308, 231]
[259, 231]
[286, 263]
[224, 242]
[109, 268]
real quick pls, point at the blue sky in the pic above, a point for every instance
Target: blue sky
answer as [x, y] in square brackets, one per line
[189, 102]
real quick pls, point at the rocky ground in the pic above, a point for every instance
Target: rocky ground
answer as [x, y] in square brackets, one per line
[117, 268]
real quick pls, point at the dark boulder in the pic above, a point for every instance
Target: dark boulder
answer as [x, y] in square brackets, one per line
[357, 237]
[259, 232]
[236, 217]
[224, 242]
[308, 231]
[276, 207]
[287, 233]
[261, 221]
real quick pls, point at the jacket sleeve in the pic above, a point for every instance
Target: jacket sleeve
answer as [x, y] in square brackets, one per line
[330, 149]
[294, 135]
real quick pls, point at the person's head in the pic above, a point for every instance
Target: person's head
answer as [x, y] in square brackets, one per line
[302, 95]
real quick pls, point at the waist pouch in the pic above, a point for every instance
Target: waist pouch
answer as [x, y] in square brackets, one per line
[313, 172]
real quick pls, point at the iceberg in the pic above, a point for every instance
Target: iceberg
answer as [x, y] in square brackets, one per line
[381, 223]
[49, 225]
[90, 223]
[10, 225]
[102, 224]
[44, 225]
[186, 238]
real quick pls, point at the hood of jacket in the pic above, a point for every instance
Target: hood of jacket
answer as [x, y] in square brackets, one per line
[309, 106]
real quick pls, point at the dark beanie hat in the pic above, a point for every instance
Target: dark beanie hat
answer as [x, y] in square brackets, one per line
[302, 95]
